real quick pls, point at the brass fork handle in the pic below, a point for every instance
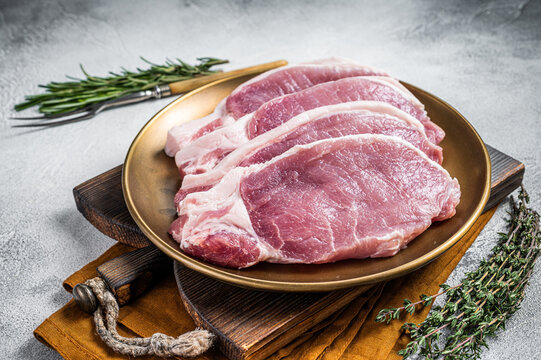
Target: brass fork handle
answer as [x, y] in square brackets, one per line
[181, 87]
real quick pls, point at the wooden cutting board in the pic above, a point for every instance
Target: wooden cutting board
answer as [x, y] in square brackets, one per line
[248, 324]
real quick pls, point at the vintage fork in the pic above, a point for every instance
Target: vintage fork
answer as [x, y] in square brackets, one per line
[92, 110]
[157, 92]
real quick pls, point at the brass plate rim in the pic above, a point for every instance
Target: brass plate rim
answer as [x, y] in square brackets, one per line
[291, 286]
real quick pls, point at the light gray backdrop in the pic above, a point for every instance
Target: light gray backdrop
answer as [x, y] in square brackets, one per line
[482, 57]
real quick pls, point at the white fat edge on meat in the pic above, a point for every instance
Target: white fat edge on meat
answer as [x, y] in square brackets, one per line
[277, 134]
[434, 127]
[396, 112]
[226, 194]
[273, 71]
[384, 80]
[368, 138]
[396, 240]
[226, 137]
[251, 146]
[338, 62]
[395, 84]
[392, 240]
[262, 76]
[182, 134]
[316, 63]
[343, 61]
[213, 176]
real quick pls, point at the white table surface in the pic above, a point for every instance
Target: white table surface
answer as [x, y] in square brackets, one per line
[483, 58]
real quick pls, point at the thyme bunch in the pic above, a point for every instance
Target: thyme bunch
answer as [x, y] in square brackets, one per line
[61, 97]
[483, 301]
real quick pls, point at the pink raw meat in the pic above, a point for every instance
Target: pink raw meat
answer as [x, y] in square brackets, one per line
[362, 117]
[252, 94]
[204, 153]
[356, 196]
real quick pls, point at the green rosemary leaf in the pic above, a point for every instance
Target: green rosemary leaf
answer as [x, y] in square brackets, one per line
[60, 97]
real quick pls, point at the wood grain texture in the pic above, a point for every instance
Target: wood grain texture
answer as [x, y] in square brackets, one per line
[101, 202]
[507, 175]
[130, 274]
[248, 324]
[253, 324]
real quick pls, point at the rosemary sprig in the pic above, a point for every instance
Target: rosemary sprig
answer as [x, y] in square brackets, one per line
[61, 97]
[483, 301]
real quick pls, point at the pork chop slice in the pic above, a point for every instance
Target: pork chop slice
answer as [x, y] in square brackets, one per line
[249, 96]
[203, 154]
[356, 196]
[361, 117]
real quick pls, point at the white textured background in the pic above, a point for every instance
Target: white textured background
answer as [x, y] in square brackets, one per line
[482, 57]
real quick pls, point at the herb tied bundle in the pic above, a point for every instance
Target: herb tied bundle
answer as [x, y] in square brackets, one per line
[62, 97]
[482, 302]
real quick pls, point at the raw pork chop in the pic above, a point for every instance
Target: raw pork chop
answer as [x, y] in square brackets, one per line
[356, 196]
[204, 153]
[252, 94]
[361, 117]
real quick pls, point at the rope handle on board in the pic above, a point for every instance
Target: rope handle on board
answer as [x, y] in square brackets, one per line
[94, 296]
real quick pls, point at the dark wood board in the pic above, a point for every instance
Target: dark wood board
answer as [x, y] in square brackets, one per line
[248, 324]
[253, 324]
[101, 202]
[507, 175]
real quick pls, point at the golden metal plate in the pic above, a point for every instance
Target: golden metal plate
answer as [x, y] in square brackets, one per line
[150, 180]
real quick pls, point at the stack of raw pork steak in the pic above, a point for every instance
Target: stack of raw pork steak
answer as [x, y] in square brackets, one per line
[309, 163]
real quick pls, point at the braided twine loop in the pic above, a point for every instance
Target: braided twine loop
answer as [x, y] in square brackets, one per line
[190, 344]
